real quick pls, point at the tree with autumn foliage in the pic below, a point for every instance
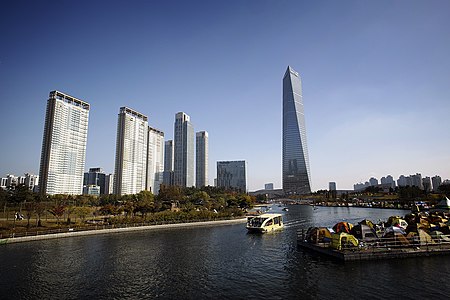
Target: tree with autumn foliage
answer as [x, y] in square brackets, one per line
[57, 211]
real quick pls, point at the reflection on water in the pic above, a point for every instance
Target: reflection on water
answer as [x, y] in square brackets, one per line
[221, 261]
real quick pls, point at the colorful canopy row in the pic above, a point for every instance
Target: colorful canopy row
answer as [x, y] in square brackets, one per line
[420, 230]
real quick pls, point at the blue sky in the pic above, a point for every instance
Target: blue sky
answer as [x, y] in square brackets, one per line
[376, 79]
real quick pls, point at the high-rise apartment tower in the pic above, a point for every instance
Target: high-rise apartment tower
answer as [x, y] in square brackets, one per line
[183, 151]
[201, 160]
[296, 174]
[155, 159]
[131, 152]
[64, 145]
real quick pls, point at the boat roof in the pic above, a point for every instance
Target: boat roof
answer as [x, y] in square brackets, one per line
[269, 215]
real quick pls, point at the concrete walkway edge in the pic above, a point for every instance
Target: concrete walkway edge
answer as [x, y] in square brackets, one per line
[116, 230]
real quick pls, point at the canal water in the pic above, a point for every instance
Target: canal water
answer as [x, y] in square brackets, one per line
[221, 262]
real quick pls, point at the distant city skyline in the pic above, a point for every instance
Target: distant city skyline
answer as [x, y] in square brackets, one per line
[431, 184]
[422, 182]
[375, 77]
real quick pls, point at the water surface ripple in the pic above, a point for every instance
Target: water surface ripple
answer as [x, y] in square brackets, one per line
[214, 262]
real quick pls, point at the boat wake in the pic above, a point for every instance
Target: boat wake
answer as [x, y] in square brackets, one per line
[294, 223]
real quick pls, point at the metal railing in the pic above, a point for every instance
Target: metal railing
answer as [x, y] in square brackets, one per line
[394, 243]
[13, 234]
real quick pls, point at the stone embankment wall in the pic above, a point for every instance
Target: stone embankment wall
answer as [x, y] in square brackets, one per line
[117, 230]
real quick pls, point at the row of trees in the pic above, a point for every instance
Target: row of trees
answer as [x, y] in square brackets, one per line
[406, 193]
[182, 203]
[414, 192]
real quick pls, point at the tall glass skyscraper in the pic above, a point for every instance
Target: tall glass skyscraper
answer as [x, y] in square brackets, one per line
[183, 151]
[64, 145]
[201, 159]
[131, 152]
[168, 162]
[296, 175]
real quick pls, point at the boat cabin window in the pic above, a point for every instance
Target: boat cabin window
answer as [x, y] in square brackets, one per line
[261, 221]
[256, 222]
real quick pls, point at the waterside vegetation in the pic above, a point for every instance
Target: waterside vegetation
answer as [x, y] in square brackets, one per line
[25, 211]
[400, 197]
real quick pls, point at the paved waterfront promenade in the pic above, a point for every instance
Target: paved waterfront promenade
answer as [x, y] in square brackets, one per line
[118, 230]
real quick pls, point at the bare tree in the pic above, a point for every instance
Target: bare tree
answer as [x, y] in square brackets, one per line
[29, 210]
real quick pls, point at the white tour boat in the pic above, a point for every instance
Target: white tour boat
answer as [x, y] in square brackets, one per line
[265, 223]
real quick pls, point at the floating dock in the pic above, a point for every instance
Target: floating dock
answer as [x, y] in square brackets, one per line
[376, 253]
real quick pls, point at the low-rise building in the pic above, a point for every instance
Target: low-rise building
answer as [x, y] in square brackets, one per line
[332, 186]
[93, 190]
[232, 174]
[29, 180]
[268, 186]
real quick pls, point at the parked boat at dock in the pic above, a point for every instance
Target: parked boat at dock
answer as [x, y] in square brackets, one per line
[418, 234]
